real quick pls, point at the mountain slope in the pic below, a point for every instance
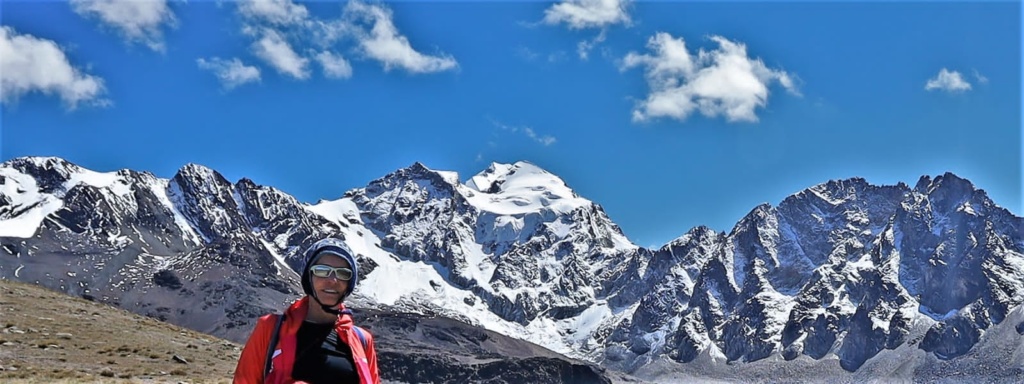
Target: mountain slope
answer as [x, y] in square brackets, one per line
[47, 336]
[844, 270]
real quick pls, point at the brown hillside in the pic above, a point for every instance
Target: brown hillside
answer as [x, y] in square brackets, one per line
[47, 336]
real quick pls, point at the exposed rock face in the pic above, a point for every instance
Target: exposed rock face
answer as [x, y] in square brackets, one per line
[841, 268]
[844, 269]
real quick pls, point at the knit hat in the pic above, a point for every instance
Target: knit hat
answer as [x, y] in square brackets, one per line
[330, 246]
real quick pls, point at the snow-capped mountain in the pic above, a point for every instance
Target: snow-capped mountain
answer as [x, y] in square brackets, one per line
[843, 270]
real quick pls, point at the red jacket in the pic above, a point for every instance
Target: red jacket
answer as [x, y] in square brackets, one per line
[250, 365]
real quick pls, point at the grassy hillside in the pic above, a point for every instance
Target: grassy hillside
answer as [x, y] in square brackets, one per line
[46, 337]
[49, 337]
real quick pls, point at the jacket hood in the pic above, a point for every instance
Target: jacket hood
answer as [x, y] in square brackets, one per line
[328, 246]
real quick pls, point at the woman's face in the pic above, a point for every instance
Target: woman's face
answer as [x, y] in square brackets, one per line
[330, 289]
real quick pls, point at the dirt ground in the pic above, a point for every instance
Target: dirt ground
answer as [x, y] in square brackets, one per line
[49, 337]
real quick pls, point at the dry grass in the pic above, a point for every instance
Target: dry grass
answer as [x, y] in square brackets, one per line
[49, 337]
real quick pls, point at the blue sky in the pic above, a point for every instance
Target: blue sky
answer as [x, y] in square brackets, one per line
[668, 114]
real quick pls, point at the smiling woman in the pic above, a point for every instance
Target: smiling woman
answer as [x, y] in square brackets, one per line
[315, 340]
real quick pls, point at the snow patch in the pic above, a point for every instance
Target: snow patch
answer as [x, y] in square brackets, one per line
[519, 189]
[159, 188]
[334, 210]
[106, 180]
[31, 207]
[279, 262]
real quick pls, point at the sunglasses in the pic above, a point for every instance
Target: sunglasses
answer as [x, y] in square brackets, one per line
[325, 271]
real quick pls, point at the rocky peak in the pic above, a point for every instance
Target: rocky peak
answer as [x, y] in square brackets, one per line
[949, 193]
[50, 172]
[756, 217]
[418, 174]
[838, 190]
[694, 248]
[207, 200]
[200, 179]
[36, 164]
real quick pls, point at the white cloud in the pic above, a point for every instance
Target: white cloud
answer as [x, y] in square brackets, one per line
[287, 37]
[949, 81]
[30, 64]
[335, 66]
[137, 20]
[580, 14]
[584, 47]
[723, 81]
[280, 12]
[385, 44]
[231, 73]
[273, 49]
[544, 140]
[981, 79]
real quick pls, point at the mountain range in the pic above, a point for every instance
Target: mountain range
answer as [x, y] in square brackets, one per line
[843, 278]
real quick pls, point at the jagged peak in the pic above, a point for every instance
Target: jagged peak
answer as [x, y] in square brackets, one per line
[40, 160]
[841, 191]
[198, 172]
[701, 231]
[247, 182]
[853, 183]
[34, 164]
[760, 211]
[754, 218]
[419, 171]
[835, 191]
[195, 168]
[951, 192]
[927, 185]
[57, 175]
[696, 233]
[418, 167]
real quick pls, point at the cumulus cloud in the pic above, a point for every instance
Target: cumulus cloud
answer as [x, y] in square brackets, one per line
[279, 12]
[274, 50]
[724, 81]
[287, 37]
[949, 81]
[231, 73]
[580, 14]
[138, 21]
[335, 66]
[383, 42]
[30, 64]
[544, 140]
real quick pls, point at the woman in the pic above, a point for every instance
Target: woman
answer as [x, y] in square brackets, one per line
[315, 340]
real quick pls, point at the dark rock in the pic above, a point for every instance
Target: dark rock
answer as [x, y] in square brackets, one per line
[167, 279]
